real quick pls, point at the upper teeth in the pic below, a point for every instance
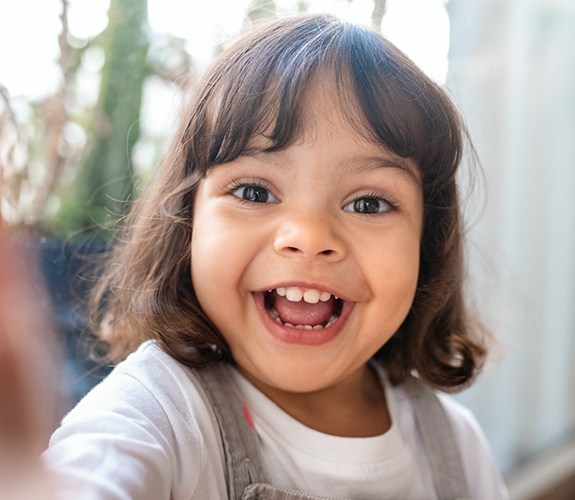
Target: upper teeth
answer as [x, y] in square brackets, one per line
[296, 294]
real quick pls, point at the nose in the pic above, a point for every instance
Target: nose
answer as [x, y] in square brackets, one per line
[309, 235]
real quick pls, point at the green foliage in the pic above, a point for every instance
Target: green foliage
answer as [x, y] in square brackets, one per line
[261, 9]
[104, 181]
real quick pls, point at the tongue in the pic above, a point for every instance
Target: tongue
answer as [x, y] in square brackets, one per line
[302, 313]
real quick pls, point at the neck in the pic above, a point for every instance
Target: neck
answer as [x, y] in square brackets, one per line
[355, 407]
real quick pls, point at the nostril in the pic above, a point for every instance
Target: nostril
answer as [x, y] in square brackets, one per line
[326, 252]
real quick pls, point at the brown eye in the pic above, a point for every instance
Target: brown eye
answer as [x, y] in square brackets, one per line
[368, 205]
[254, 193]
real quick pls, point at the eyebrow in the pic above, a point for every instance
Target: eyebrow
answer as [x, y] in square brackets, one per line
[405, 166]
[357, 164]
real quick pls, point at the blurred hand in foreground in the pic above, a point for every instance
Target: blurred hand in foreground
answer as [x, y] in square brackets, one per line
[29, 395]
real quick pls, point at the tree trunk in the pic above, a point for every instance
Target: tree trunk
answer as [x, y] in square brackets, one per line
[105, 181]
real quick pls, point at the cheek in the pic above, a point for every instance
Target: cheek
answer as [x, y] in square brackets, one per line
[220, 254]
[209, 268]
[204, 248]
[396, 272]
[209, 258]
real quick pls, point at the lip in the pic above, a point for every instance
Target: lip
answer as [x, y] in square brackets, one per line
[295, 336]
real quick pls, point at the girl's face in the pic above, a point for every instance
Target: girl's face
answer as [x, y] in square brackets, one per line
[306, 260]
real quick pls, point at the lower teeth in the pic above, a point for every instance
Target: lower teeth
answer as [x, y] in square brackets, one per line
[275, 315]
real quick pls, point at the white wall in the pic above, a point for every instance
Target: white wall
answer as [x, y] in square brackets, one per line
[512, 69]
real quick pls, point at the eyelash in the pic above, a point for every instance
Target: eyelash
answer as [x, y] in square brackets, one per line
[255, 183]
[392, 204]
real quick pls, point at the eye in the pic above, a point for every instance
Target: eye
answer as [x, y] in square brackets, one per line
[369, 205]
[253, 193]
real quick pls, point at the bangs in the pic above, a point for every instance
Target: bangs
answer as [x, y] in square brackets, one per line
[257, 88]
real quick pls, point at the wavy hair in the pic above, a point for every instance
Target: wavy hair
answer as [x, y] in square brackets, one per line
[257, 85]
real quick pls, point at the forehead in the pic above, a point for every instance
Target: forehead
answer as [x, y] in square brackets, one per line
[329, 113]
[331, 105]
[357, 85]
[324, 105]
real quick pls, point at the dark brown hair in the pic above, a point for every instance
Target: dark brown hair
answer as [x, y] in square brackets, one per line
[257, 86]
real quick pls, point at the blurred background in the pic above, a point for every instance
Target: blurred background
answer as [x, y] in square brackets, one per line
[89, 95]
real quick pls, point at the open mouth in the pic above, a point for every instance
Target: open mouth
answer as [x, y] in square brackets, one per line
[306, 309]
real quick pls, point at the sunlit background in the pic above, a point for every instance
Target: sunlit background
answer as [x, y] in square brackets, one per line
[510, 67]
[419, 27]
[30, 70]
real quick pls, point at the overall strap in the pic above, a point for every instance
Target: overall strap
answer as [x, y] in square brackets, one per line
[439, 442]
[244, 463]
[242, 456]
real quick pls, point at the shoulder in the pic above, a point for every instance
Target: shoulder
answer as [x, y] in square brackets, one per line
[151, 383]
[481, 469]
[482, 474]
[463, 421]
[148, 419]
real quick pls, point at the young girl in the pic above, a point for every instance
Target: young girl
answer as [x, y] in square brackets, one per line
[291, 284]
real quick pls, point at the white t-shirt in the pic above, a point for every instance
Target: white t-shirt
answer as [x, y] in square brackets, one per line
[145, 433]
